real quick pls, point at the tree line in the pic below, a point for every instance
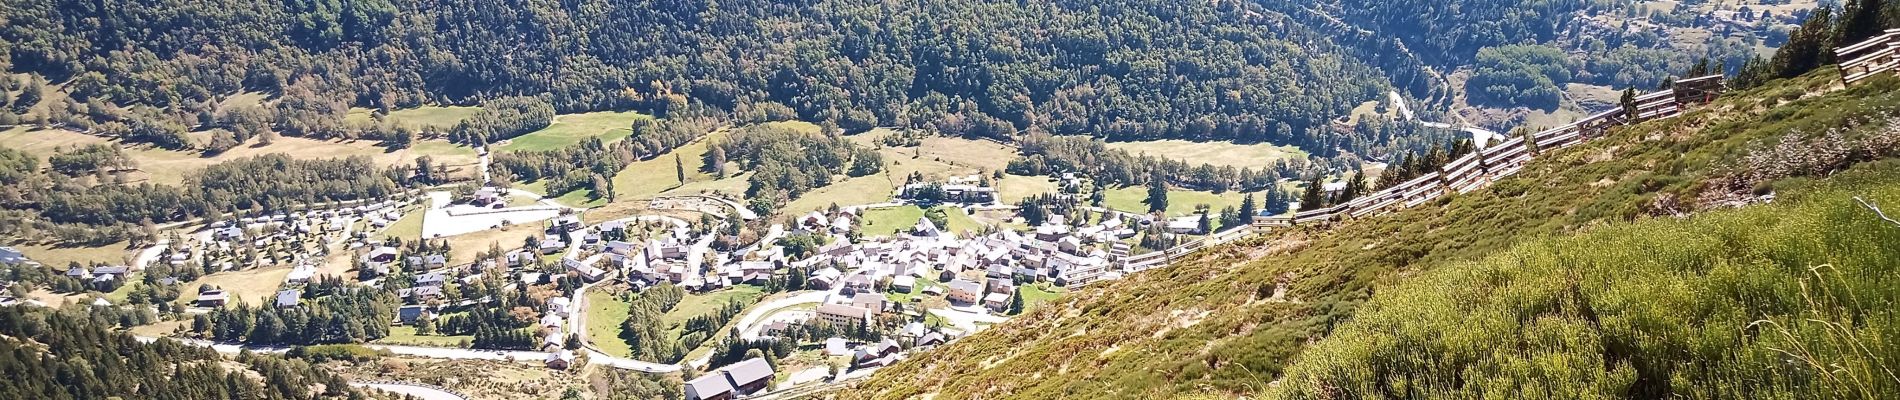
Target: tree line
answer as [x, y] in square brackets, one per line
[1126, 70]
[348, 315]
[86, 209]
[503, 119]
[63, 354]
[786, 163]
[1053, 155]
[1812, 44]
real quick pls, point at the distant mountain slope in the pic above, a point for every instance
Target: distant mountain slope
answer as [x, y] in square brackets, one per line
[1124, 69]
[1232, 320]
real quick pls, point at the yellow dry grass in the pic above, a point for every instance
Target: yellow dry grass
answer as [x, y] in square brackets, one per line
[254, 286]
[1236, 155]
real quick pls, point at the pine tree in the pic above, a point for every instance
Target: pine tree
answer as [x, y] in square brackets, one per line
[1629, 107]
[1354, 187]
[1248, 209]
[1229, 217]
[1860, 19]
[30, 95]
[1157, 194]
[679, 168]
[1804, 50]
[1277, 200]
[1016, 301]
[1312, 199]
[716, 161]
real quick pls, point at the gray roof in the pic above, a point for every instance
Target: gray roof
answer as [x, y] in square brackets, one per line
[289, 297]
[711, 385]
[749, 371]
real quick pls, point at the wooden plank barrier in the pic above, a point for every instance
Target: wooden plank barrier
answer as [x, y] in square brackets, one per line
[1870, 57]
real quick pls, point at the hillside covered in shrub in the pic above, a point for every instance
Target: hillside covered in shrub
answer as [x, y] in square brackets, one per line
[1238, 320]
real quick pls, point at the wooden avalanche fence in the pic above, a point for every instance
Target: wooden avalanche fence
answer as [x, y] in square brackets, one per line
[1478, 169]
[1868, 58]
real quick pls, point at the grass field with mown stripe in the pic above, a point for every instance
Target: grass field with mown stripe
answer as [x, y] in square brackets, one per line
[571, 129]
[1180, 202]
[1236, 155]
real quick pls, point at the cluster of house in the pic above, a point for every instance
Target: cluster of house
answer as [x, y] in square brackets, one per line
[1054, 250]
[378, 215]
[100, 278]
[294, 231]
[554, 323]
[432, 271]
[662, 258]
[888, 351]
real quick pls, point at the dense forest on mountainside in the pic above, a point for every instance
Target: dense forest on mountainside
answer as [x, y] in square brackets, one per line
[67, 354]
[1522, 52]
[1230, 320]
[989, 68]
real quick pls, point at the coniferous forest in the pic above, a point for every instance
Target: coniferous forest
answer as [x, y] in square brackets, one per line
[48, 354]
[1115, 69]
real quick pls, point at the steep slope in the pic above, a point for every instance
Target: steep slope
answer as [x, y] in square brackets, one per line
[1231, 320]
[1125, 69]
[1789, 300]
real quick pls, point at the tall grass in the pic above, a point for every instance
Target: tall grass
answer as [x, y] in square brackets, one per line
[1790, 300]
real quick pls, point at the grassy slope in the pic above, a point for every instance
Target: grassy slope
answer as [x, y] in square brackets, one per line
[59, 257]
[406, 335]
[1699, 308]
[409, 227]
[645, 179]
[1206, 326]
[569, 129]
[694, 305]
[1180, 202]
[890, 221]
[1256, 156]
[605, 314]
[432, 117]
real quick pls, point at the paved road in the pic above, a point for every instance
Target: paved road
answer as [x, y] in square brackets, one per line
[417, 351]
[696, 258]
[746, 327]
[577, 309]
[1479, 137]
[966, 320]
[146, 256]
[420, 392]
[744, 213]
